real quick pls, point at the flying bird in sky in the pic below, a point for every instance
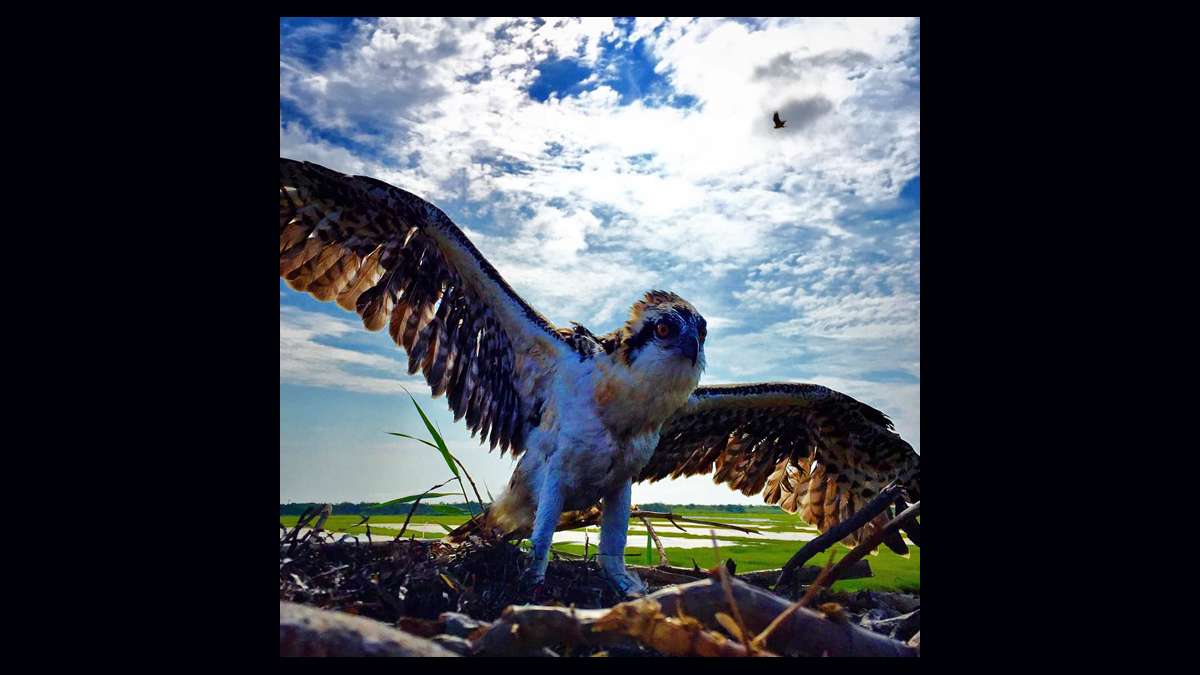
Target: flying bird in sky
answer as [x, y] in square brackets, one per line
[779, 124]
[588, 415]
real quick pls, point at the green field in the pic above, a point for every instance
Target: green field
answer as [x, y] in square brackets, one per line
[750, 552]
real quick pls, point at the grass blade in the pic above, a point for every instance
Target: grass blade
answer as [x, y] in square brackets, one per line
[441, 444]
[405, 500]
[404, 527]
[422, 440]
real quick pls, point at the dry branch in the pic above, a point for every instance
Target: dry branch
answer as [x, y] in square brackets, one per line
[308, 631]
[464, 470]
[662, 554]
[838, 532]
[526, 630]
[874, 540]
[412, 509]
[684, 519]
[660, 575]
[684, 621]
[912, 528]
[761, 638]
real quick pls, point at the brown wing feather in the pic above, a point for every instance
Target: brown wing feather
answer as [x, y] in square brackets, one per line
[812, 450]
[399, 262]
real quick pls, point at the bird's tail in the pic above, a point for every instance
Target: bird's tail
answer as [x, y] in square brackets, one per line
[510, 515]
[479, 525]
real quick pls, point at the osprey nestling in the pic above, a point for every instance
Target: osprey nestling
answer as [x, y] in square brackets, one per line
[592, 414]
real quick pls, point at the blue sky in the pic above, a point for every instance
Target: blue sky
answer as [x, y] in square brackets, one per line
[591, 160]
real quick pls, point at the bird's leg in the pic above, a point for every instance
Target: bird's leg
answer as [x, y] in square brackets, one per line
[614, 528]
[549, 508]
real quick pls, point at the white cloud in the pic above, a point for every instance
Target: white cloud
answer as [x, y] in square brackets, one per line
[583, 203]
[303, 360]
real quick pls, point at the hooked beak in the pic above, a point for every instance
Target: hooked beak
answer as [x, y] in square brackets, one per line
[689, 346]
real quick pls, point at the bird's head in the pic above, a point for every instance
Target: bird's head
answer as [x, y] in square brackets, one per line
[664, 333]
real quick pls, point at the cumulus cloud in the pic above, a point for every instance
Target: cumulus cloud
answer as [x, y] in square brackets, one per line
[790, 66]
[588, 198]
[306, 357]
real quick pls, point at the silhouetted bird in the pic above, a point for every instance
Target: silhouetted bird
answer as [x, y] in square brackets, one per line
[778, 122]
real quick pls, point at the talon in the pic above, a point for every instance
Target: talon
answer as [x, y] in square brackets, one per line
[532, 585]
[625, 582]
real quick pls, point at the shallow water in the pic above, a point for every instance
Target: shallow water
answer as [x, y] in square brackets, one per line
[637, 540]
[699, 531]
[419, 527]
[736, 519]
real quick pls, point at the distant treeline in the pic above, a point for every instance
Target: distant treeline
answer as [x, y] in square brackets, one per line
[364, 508]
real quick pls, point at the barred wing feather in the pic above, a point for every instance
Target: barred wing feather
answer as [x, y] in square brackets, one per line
[398, 261]
[805, 447]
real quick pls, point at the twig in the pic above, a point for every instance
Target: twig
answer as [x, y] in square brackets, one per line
[566, 554]
[838, 532]
[309, 514]
[662, 555]
[762, 637]
[727, 586]
[326, 511]
[468, 475]
[660, 575]
[672, 517]
[414, 508]
[329, 571]
[874, 540]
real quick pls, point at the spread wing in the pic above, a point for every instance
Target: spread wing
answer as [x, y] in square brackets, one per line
[776, 118]
[810, 449]
[398, 261]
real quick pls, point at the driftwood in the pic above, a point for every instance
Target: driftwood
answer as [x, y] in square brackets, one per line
[682, 620]
[874, 540]
[308, 631]
[524, 631]
[837, 533]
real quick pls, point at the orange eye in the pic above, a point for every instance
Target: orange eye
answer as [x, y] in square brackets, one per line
[662, 330]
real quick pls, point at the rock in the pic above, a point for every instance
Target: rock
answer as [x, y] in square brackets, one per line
[915, 641]
[308, 631]
[460, 625]
[460, 646]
